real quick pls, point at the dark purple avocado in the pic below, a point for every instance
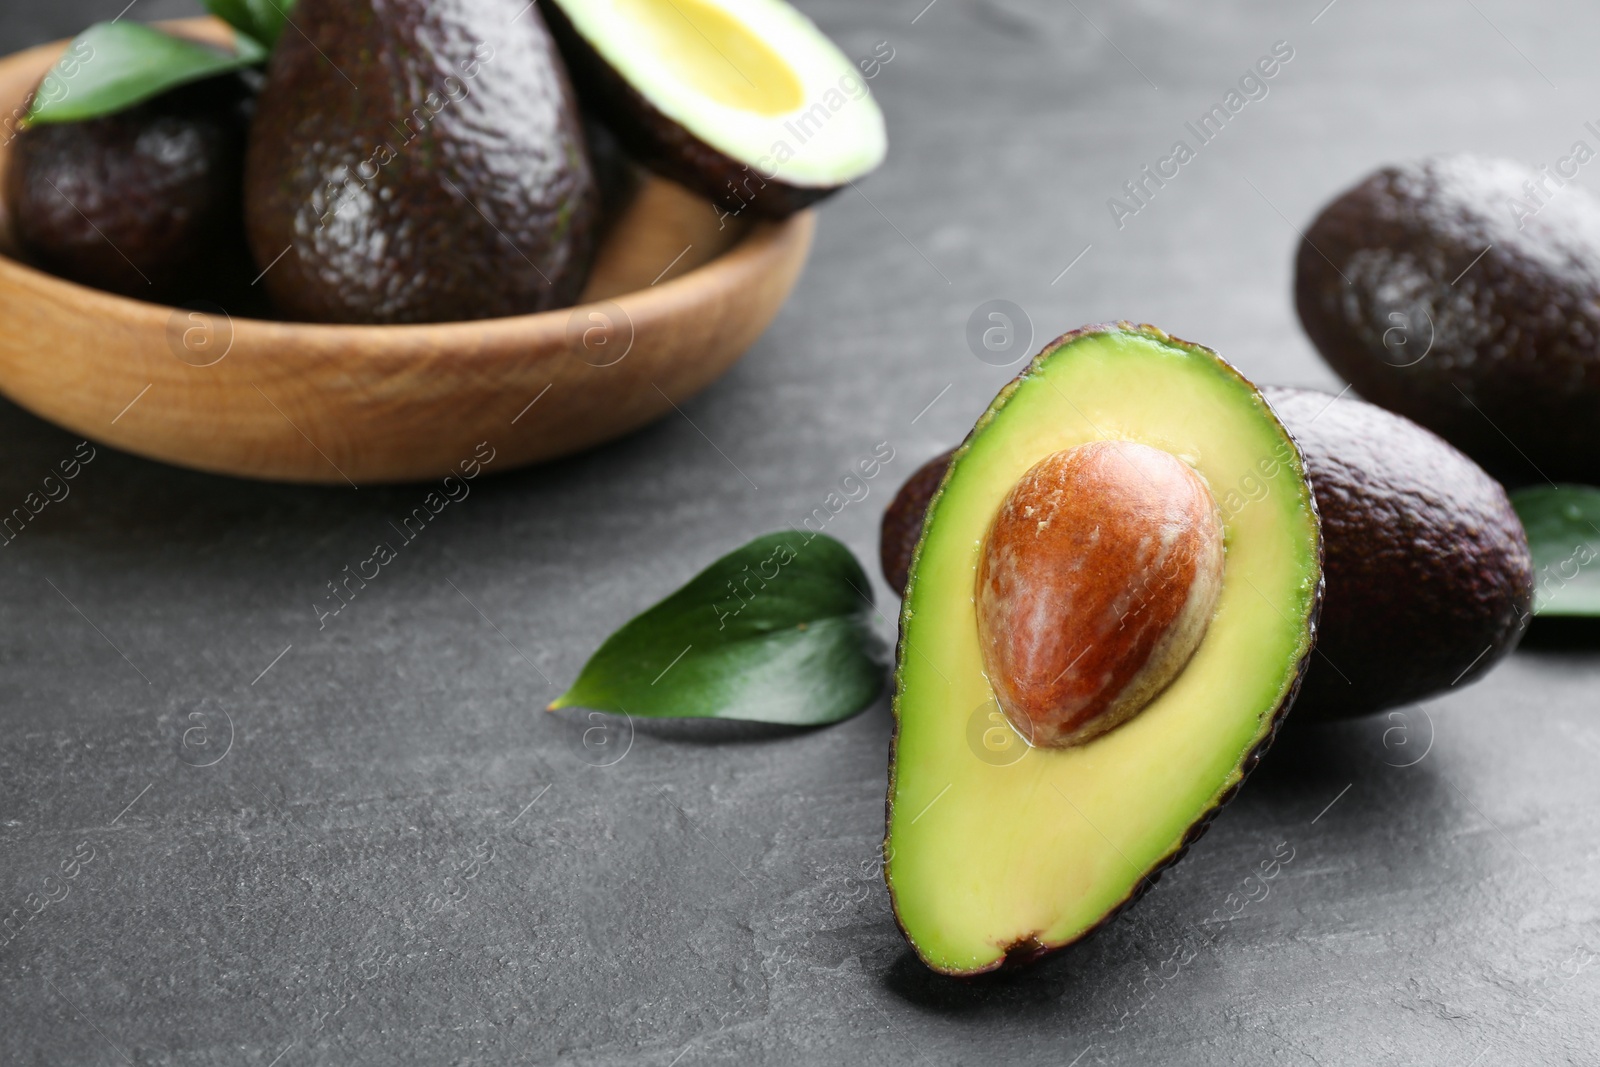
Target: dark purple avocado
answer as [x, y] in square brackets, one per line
[1430, 582]
[146, 202]
[419, 161]
[1464, 293]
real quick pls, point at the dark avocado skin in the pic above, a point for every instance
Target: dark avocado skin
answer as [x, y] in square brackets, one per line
[487, 208]
[1513, 374]
[1426, 565]
[902, 523]
[145, 203]
[1430, 583]
[666, 147]
[911, 505]
[614, 171]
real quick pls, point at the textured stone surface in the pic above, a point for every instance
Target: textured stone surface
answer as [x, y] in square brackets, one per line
[711, 897]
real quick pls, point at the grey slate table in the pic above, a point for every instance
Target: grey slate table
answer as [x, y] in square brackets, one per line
[273, 827]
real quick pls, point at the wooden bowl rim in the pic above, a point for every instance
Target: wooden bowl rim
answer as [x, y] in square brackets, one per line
[747, 253]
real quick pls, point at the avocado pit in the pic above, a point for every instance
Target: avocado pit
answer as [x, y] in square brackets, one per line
[1096, 582]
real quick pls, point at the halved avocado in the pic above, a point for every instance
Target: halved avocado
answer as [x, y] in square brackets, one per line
[743, 101]
[1427, 574]
[998, 850]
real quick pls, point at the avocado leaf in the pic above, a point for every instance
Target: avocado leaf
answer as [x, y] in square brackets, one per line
[1563, 525]
[112, 66]
[261, 20]
[777, 631]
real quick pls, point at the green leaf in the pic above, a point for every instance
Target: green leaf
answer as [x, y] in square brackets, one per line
[262, 20]
[112, 66]
[777, 631]
[1563, 524]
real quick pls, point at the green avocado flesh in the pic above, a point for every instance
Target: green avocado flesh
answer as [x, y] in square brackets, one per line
[744, 101]
[995, 846]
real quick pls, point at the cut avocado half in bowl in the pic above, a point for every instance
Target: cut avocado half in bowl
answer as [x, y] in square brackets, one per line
[1026, 810]
[745, 102]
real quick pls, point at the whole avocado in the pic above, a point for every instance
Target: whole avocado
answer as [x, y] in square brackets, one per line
[1429, 579]
[1464, 293]
[419, 161]
[146, 202]
[1429, 582]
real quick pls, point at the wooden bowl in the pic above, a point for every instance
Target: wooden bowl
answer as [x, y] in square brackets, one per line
[675, 299]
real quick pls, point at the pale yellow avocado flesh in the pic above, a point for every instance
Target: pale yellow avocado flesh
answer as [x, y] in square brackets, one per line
[708, 48]
[992, 844]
